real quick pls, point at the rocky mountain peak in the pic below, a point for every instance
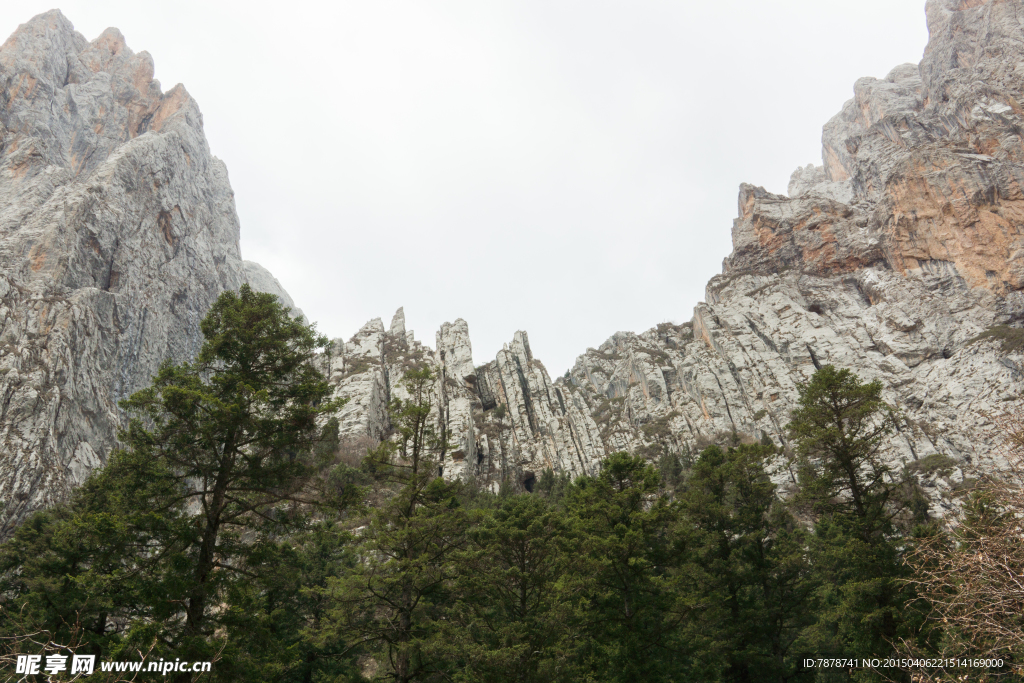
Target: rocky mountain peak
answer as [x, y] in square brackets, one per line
[398, 323]
[117, 232]
[921, 169]
[901, 257]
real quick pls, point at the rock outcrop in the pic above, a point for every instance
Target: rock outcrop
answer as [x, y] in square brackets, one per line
[901, 257]
[505, 421]
[117, 231]
[261, 279]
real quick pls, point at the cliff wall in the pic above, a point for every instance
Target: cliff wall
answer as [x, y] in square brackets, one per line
[901, 257]
[117, 232]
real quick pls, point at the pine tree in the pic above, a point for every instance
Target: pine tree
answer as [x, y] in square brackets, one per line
[392, 601]
[217, 464]
[511, 615]
[745, 583]
[851, 490]
[839, 428]
[619, 523]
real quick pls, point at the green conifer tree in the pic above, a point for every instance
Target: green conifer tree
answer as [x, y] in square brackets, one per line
[839, 429]
[510, 619]
[392, 603]
[619, 522]
[745, 584]
[217, 465]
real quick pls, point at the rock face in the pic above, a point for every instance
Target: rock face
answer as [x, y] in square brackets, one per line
[900, 257]
[506, 420]
[261, 279]
[889, 259]
[117, 232]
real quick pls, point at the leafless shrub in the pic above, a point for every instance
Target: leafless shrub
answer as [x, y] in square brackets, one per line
[723, 439]
[973, 575]
[37, 642]
[352, 451]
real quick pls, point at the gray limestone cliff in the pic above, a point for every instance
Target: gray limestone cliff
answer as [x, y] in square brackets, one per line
[893, 258]
[117, 231]
[900, 257]
[261, 279]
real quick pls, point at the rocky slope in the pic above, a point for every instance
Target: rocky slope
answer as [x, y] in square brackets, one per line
[117, 232]
[899, 258]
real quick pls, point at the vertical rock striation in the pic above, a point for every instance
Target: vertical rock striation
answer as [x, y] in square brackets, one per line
[504, 421]
[901, 257]
[117, 232]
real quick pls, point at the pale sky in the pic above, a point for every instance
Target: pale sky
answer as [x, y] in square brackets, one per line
[568, 168]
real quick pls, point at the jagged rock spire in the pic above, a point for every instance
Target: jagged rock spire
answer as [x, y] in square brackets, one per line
[398, 323]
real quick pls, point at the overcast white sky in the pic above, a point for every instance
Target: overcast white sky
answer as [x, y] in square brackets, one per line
[569, 168]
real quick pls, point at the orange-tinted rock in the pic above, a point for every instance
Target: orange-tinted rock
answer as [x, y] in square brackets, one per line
[926, 165]
[117, 232]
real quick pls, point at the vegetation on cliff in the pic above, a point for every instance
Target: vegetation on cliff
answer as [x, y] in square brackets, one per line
[228, 529]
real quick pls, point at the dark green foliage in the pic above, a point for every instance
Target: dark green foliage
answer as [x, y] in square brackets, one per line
[838, 430]
[746, 580]
[861, 599]
[670, 468]
[511, 618]
[936, 463]
[619, 523]
[157, 550]
[552, 485]
[232, 435]
[392, 602]
[280, 618]
[228, 529]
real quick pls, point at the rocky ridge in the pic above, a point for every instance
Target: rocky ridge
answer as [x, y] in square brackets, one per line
[900, 257]
[117, 232]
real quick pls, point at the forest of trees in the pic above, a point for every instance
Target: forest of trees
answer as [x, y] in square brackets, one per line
[228, 529]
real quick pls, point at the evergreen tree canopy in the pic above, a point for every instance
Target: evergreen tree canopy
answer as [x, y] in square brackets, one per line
[861, 599]
[217, 464]
[224, 530]
[391, 604]
[619, 521]
[838, 428]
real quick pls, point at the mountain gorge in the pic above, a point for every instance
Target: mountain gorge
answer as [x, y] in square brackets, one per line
[901, 257]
